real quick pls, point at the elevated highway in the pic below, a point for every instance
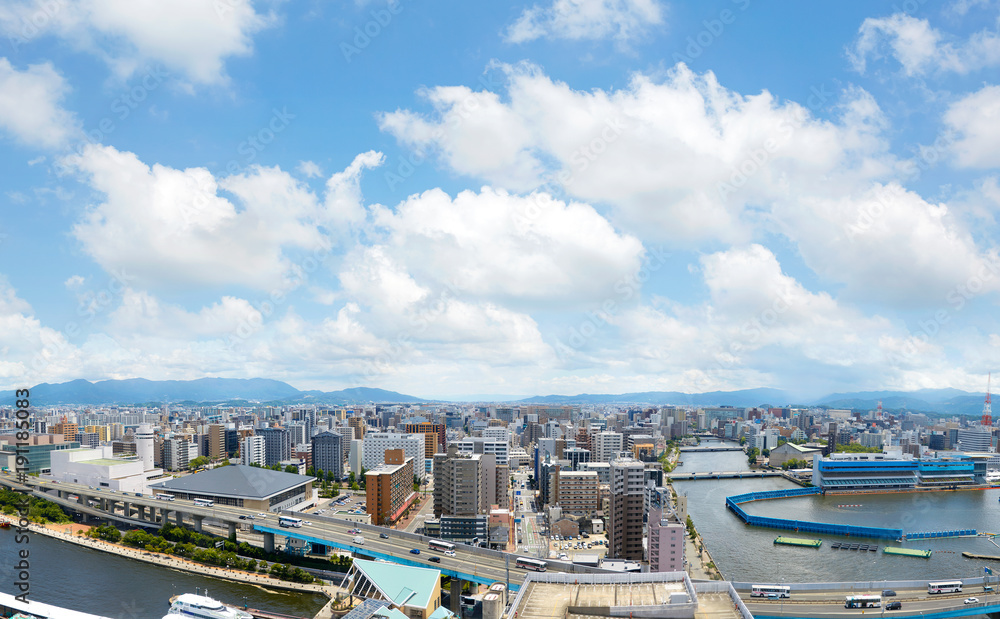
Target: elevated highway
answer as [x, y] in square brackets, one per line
[474, 564]
[808, 600]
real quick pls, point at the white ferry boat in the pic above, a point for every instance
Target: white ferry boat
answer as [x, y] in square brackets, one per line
[203, 607]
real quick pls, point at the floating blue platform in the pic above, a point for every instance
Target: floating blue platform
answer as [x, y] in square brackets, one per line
[847, 530]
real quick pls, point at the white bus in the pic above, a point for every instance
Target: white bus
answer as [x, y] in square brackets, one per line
[438, 545]
[766, 591]
[204, 502]
[287, 521]
[863, 601]
[945, 586]
[165, 497]
[531, 564]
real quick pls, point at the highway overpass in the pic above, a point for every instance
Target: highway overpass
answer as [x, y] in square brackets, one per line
[474, 564]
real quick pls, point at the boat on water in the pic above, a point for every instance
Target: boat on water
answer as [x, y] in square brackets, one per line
[203, 607]
[993, 477]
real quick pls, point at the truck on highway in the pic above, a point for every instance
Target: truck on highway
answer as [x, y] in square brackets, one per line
[359, 540]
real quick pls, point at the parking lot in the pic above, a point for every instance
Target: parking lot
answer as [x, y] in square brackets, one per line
[578, 545]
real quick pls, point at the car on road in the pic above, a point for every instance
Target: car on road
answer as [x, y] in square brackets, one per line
[383, 536]
[306, 522]
[971, 600]
[353, 531]
[415, 551]
[242, 517]
[262, 515]
[894, 606]
[434, 559]
[888, 593]
[450, 553]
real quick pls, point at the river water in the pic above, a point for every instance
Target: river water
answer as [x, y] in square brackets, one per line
[745, 553]
[67, 575]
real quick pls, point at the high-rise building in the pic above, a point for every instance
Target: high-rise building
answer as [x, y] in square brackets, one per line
[459, 484]
[216, 441]
[252, 450]
[476, 445]
[358, 423]
[426, 427]
[625, 510]
[607, 445]
[377, 443]
[355, 460]
[177, 453]
[277, 445]
[576, 492]
[976, 439]
[389, 488]
[327, 453]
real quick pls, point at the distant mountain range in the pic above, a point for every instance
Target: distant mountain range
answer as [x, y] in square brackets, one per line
[238, 390]
[203, 390]
[945, 401]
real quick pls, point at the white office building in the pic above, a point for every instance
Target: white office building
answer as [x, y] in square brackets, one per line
[376, 444]
[500, 449]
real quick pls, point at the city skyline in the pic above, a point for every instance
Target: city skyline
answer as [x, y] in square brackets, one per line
[602, 196]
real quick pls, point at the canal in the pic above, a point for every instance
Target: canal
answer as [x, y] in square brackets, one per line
[90, 581]
[746, 553]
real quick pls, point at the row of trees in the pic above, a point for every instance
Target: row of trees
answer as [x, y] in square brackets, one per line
[39, 510]
[201, 548]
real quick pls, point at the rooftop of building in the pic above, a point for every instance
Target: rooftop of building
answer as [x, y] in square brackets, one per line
[236, 480]
[388, 469]
[402, 584]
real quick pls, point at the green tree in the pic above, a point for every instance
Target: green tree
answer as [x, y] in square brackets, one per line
[291, 468]
[351, 478]
[198, 462]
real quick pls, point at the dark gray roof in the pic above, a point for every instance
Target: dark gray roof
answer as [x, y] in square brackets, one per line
[236, 480]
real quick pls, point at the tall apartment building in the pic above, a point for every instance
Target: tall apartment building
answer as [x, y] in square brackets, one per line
[497, 433]
[377, 443]
[252, 450]
[576, 492]
[476, 445]
[459, 484]
[216, 441]
[177, 454]
[358, 423]
[624, 522]
[607, 445]
[328, 453]
[68, 429]
[426, 427]
[389, 488]
[277, 445]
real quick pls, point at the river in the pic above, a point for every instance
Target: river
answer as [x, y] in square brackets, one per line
[67, 575]
[745, 553]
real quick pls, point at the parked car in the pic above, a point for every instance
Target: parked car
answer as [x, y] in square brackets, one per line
[893, 605]
[415, 551]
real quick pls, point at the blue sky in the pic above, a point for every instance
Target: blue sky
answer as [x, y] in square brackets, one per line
[521, 198]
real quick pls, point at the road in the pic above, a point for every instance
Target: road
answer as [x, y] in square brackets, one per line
[828, 604]
[483, 565]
